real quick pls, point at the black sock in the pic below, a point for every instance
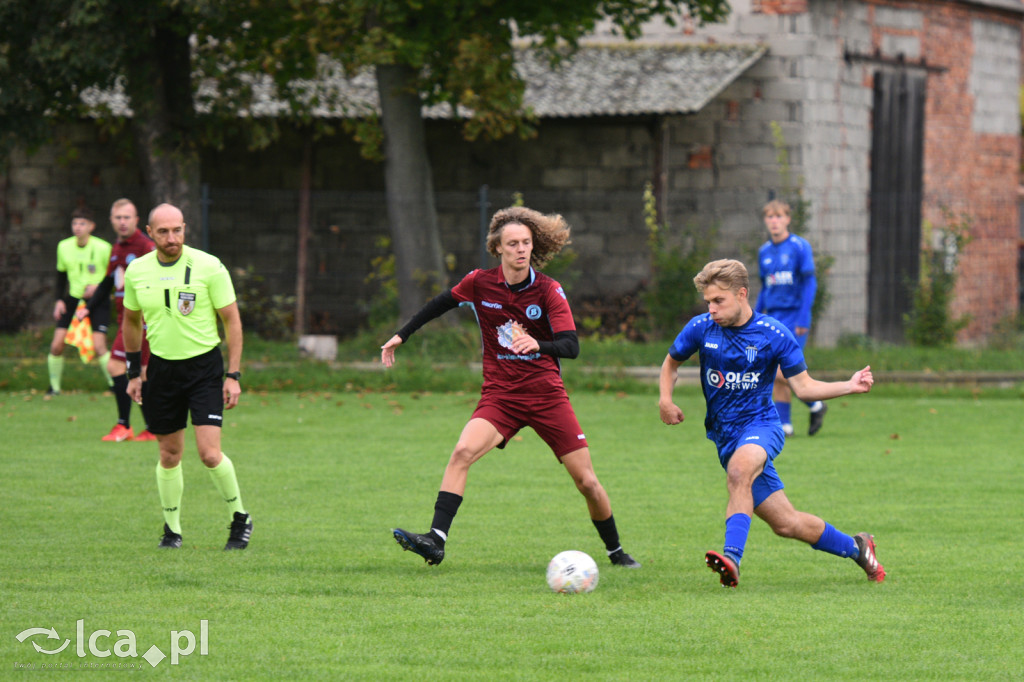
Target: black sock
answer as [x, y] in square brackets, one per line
[124, 403]
[609, 534]
[445, 508]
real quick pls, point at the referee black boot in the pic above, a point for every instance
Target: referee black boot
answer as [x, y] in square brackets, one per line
[170, 540]
[241, 529]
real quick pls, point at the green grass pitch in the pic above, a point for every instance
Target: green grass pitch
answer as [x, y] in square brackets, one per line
[324, 592]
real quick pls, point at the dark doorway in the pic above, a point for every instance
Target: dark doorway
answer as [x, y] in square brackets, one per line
[897, 175]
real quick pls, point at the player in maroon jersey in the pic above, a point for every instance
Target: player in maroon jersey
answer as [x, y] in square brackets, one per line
[131, 243]
[526, 326]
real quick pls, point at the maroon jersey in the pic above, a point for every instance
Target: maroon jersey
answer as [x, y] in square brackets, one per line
[540, 310]
[123, 253]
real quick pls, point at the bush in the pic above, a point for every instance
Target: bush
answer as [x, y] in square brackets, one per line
[270, 316]
[930, 322]
[670, 297]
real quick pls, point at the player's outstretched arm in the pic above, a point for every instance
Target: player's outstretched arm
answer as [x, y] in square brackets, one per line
[668, 410]
[809, 389]
[387, 351]
[862, 381]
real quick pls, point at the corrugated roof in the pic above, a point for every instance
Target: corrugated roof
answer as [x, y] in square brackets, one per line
[600, 80]
[616, 80]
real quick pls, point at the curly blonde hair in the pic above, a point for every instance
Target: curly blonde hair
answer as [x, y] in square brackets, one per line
[550, 232]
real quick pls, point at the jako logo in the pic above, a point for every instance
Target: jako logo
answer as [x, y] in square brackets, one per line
[708, 344]
[125, 647]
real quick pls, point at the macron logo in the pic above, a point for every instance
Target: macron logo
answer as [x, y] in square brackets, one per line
[488, 304]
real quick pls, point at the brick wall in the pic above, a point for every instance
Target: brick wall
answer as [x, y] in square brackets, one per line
[780, 6]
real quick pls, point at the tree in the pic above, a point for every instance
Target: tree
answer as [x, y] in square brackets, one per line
[428, 52]
[174, 57]
[52, 52]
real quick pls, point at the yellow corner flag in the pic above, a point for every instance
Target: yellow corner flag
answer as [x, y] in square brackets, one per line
[80, 336]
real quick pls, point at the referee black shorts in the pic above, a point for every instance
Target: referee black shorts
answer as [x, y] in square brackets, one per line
[179, 387]
[99, 318]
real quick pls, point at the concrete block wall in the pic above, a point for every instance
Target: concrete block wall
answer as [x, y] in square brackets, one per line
[972, 143]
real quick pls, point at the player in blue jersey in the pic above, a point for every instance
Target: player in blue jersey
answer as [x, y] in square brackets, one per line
[740, 352]
[788, 287]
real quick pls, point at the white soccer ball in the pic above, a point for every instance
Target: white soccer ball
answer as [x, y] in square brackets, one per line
[571, 572]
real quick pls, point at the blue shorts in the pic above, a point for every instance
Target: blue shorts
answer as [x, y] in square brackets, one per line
[771, 438]
[788, 318]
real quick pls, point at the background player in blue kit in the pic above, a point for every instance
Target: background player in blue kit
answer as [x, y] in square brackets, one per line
[788, 287]
[740, 353]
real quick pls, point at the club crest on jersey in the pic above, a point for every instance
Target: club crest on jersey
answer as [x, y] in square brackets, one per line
[533, 312]
[186, 302]
[509, 332]
[751, 353]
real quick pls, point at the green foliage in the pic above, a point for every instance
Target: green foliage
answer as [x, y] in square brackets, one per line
[461, 54]
[264, 313]
[1008, 334]
[792, 192]
[931, 322]
[670, 297]
[381, 308]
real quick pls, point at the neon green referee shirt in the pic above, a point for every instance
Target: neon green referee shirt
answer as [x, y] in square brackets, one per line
[179, 301]
[85, 265]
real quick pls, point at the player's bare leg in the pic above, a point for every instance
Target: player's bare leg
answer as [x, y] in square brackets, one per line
[745, 465]
[580, 466]
[477, 439]
[778, 512]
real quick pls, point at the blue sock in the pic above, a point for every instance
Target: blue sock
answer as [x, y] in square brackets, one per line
[814, 405]
[737, 528]
[836, 542]
[783, 410]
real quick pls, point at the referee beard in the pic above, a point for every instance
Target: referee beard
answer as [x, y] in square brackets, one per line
[167, 229]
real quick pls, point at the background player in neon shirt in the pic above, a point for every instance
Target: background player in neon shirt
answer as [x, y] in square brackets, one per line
[526, 327]
[788, 287]
[740, 352]
[81, 264]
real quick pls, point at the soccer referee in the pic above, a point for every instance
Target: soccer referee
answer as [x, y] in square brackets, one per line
[181, 291]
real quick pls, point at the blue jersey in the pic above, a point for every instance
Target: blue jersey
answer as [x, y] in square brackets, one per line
[737, 369]
[788, 284]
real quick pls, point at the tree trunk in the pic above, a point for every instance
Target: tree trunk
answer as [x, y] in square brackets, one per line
[171, 176]
[412, 216]
[159, 85]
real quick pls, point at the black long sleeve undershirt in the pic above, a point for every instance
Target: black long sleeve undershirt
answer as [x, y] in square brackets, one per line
[102, 292]
[435, 307]
[565, 344]
[62, 284]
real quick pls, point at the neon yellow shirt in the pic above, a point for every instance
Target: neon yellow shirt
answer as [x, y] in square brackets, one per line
[85, 265]
[179, 301]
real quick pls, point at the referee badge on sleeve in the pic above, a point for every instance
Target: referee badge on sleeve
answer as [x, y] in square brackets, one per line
[186, 302]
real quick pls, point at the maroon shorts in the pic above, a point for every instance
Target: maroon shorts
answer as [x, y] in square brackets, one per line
[551, 416]
[117, 351]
